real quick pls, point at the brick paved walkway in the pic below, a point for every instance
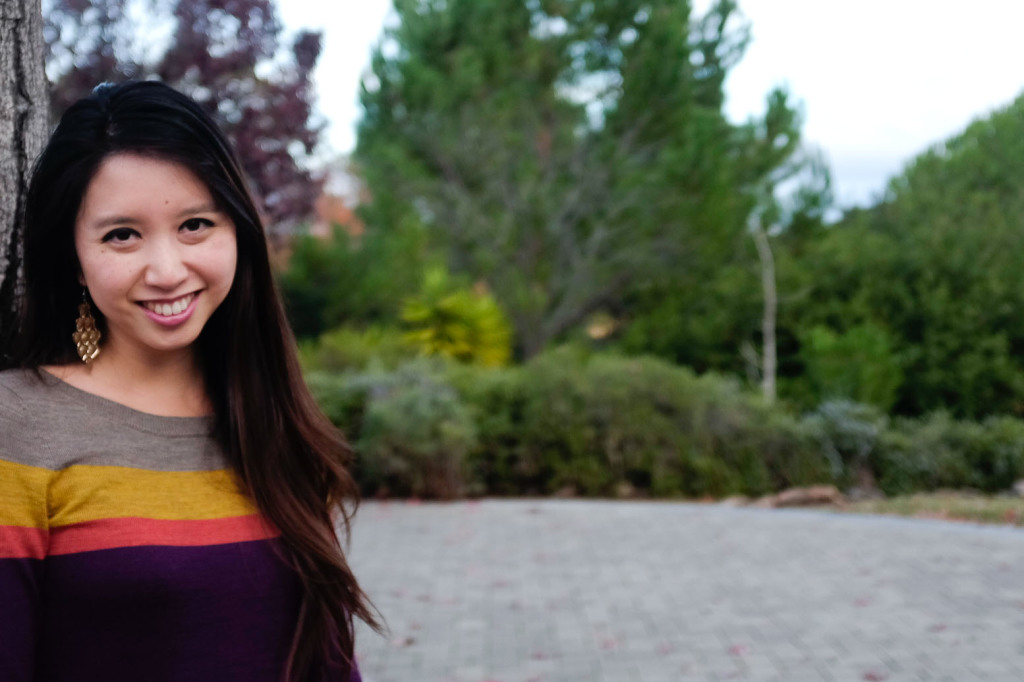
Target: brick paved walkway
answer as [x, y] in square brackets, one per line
[573, 591]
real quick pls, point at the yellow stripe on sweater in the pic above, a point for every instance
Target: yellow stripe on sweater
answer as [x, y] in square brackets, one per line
[23, 495]
[87, 493]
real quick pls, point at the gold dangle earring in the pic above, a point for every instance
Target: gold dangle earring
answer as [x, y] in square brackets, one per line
[86, 336]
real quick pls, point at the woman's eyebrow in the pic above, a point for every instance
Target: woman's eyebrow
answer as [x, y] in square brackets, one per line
[202, 208]
[113, 220]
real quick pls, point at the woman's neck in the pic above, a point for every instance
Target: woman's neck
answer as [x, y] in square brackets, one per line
[166, 384]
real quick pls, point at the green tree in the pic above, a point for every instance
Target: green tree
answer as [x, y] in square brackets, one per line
[936, 264]
[347, 281]
[565, 151]
[858, 364]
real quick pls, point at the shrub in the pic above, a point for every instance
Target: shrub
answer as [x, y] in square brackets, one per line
[595, 422]
[996, 454]
[457, 322]
[848, 433]
[496, 399]
[777, 451]
[414, 433]
[941, 452]
[342, 404]
[345, 349]
[925, 454]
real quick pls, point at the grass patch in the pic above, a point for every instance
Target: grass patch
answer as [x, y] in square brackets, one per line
[948, 506]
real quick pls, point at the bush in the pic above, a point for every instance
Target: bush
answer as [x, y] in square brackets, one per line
[848, 433]
[920, 455]
[346, 349]
[996, 455]
[595, 423]
[941, 452]
[414, 432]
[603, 424]
[342, 404]
[462, 323]
[496, 399]
[776, 451]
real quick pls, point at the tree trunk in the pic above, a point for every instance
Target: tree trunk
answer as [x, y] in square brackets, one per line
[768, 353]
[24, 120]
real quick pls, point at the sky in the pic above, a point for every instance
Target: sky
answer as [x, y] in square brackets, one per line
[879, 81]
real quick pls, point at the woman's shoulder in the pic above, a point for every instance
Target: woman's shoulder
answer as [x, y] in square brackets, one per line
[26, 408]
[23, 389]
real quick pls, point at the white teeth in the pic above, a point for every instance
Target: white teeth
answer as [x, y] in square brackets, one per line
[168, 309]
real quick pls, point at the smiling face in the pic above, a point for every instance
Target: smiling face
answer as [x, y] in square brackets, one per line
[156, 253]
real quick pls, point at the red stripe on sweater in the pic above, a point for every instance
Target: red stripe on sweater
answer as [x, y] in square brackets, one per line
[137, 532]
[19, 542]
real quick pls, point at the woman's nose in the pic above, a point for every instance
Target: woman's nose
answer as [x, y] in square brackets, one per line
[165, 267]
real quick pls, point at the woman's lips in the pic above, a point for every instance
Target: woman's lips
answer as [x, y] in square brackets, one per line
[175, 318]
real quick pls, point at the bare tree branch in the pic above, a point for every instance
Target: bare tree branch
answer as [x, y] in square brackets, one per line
[769, 363]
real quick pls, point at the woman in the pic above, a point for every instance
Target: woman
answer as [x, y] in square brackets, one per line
[168, 488]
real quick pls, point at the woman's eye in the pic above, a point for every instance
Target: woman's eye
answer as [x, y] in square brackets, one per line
[196, 224]
[120, 235]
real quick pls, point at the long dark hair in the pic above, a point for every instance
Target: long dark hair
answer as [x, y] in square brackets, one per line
[289, 457]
